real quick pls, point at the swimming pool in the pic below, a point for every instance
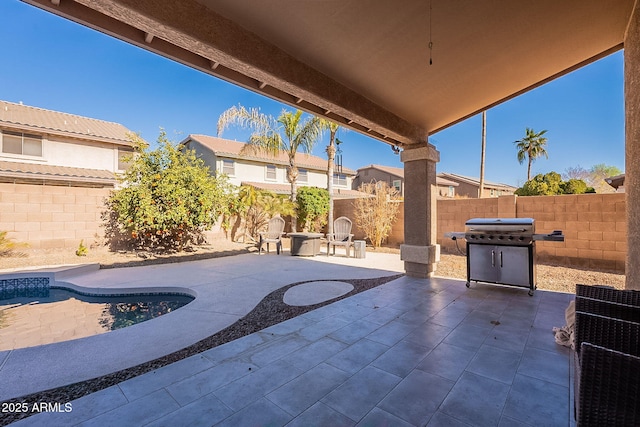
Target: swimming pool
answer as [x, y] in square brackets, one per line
[65, 314]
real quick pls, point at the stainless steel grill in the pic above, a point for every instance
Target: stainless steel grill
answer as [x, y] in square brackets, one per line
[502, 250]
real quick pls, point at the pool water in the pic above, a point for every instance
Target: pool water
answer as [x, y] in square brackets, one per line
[66, 315]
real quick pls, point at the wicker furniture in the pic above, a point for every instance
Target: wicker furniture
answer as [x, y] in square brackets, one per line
[607, 357]
[341, 235]
[274, 234]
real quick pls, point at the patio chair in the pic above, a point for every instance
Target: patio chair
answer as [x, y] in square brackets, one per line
[274, 234]
[607, 293]
[607, 371]
[341, 235]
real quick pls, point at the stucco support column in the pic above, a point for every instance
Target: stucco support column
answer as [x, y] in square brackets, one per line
[420, 252]
[632, 144]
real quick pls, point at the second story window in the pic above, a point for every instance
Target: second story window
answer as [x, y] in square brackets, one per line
[339, 179]
[303, 175]
[451, 191]
[271, 173]
[21, 143]
[397, 184]
[228, 167]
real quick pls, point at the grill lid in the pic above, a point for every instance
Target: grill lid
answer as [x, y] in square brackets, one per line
[505, 225]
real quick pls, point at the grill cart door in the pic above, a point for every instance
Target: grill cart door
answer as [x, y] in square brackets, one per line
[514, 265]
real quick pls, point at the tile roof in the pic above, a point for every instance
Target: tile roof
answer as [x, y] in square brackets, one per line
[399, 172]
[38, 120]
[338, 193]
[475, 181]
[35, 171]
[232, 149]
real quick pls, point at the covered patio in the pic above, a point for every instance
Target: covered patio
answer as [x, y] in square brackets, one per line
[397, 74]
[479, 356]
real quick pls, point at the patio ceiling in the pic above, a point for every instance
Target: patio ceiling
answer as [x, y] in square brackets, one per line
[365, 63]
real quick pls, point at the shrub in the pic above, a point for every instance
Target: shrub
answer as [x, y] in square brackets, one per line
[167, 198]
[376, 214]
[8, 247]
[551, 184]
[82, 249]
[313, 207]
[255, 207]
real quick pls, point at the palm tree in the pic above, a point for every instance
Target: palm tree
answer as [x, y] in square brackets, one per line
[331, 154]
[531, 147]
[483, 152]
[287, 133]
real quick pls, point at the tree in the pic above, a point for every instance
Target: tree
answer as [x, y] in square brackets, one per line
[376, 214]
[594, 176]
[482, 153]
[331, 154]
[288, 133]
[167, 198]
[313, 206]
[531, 147]
[551, 184]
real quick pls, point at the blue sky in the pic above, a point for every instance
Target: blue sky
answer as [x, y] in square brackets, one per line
[53, 63]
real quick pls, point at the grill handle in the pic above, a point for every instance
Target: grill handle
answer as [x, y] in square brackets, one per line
[493, 258]
[500, 259]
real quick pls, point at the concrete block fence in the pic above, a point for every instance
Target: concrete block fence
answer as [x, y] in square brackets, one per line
[594, 225]
[47, 216]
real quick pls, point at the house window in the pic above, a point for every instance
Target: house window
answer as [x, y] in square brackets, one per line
[124, 158]
[270, 174]
[451, 191]
[340, 179]
[492, 192]
[228, 167]
[21, 143]
[303, 175]
[397, 184]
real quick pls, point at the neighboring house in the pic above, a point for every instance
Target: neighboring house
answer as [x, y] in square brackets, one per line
[468, 187]
[616, 182]
[264, 171]
[395, 178]
[39, 146]
[56, 169]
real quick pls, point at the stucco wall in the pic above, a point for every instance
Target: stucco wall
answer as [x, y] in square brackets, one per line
[366, 176]
[58, 151]
[80, 154]
[50, 216]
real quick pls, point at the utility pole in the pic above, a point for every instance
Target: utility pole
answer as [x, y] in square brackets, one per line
[484, 147]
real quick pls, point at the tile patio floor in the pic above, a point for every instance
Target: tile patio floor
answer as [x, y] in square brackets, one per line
[411, 352]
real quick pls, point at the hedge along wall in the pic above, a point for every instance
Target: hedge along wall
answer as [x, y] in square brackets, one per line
[47, 216]
[594, 225]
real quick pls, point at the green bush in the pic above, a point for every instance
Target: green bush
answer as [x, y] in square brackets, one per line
[167, 198]
[253, 208]
[551, 184]
[313, 207]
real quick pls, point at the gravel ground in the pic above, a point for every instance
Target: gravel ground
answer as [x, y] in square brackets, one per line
[549, 277]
